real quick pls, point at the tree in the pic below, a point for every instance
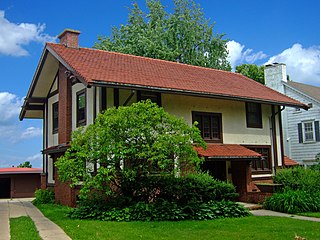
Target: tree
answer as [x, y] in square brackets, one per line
[26, 164]
[183, 36]
[252, 71]
[128, 143]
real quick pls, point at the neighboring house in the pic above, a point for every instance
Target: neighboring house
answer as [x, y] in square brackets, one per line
[300, 127]
[238, 117]
[19, 182]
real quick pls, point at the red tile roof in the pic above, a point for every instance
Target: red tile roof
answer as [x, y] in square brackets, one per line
[16, 170]
[289, 162]
[103, 67]
[215, 150]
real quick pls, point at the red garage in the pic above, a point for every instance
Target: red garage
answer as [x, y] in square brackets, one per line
[19, 182]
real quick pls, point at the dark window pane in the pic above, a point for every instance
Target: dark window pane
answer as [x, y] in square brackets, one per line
[209, 124]
[254, 116]
[81, 108]
[55, 118]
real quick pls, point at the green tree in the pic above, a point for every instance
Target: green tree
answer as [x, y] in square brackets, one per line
[128, 143]
[252, 71]
[184, 35]
[26, 164]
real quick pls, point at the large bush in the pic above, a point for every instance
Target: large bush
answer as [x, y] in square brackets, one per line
[300, 192]
[43, 196]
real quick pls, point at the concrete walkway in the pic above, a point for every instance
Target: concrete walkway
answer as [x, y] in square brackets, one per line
[23, 207]
[263, 212]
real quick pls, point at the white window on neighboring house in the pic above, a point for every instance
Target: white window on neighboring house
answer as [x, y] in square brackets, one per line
[308, 132]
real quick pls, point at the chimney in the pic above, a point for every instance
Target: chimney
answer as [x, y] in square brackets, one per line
[274, 75]
[69, 38]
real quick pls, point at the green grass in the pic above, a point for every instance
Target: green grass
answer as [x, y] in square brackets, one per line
[23, 228]
[243, 228]
[311, 214]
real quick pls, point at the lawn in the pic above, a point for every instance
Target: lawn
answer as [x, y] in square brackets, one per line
[242, 228]
[23, 228]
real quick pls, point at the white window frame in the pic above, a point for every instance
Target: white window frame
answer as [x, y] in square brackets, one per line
[304, 132]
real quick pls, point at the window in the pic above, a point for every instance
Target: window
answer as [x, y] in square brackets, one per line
[264, 163]
[81, 108]
[308, 132]
[254, 116]
[153, 96]
[210, 125]
[55, 117]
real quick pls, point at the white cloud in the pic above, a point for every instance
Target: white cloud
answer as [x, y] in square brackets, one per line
[35, 158]
[239, 55]
[303, 64]
[14, 36]
[31, 132]
[10, 106]
[11, 129]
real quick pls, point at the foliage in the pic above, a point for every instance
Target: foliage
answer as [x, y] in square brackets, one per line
[162, 211]
[128, 144]
[23, 228]
[44, 196]
[252, 71]
[248, 228]
[293, 202]
[184, 35]
[26, 164]
[299, 178]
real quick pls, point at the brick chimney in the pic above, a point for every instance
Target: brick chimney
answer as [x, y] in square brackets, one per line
[274, 75]
[69, 37]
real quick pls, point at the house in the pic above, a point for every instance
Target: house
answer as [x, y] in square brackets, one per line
[238, 117]
[19, 182]
[300, 127]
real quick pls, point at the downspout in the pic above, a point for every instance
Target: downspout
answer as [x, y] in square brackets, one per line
[94, 89]
[45, 138]
[281, 134]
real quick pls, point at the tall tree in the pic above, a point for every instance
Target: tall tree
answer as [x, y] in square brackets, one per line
[185, 35]
[252, 71]
[26, 164]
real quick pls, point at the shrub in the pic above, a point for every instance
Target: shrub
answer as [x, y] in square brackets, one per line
[293, 202]
[299, 178]
[162, 211]
[43, 196]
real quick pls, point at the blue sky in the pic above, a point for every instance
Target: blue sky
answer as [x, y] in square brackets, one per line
[258, 32]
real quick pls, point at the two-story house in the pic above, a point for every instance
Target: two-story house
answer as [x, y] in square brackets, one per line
[300, 127]
[239, 118]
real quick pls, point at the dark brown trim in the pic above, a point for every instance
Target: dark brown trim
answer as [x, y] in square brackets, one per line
[53, 93]
[129, 98]
[103, 99]
[94, 93]
[45, 136]
[116, 99]
[274, 138]
[258, 113]
[281, 135]
[211, 114]
[34, 107]
[81, 122]
[56, 78]
[36, 100]
[156, 94]
[194, 93]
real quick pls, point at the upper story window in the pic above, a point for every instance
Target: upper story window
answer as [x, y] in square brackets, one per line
[308, 132]
[81, 108]
[254, 115]
[153, 96]
[55, 117]
[210, 125]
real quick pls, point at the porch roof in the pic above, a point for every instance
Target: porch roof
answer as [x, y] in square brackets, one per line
[289, 162]
[16, 170]
[227, 151]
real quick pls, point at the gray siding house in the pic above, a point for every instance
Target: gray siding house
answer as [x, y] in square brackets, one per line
[300, 127]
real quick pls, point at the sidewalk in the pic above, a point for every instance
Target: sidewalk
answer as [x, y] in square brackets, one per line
[23, 207]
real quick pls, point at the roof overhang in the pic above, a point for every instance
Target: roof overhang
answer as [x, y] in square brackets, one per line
[100, 83]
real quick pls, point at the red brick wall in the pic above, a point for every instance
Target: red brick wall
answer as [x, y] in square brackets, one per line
[65, 106]
[43, 180]
[70, 38]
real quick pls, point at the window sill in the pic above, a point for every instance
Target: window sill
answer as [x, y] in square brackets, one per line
[261, 171]
[308, 142]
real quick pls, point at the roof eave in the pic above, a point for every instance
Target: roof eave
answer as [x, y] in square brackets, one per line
[194, 93]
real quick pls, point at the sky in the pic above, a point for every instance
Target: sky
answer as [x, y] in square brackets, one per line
[258, 32]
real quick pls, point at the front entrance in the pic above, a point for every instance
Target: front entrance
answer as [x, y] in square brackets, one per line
[5, 187]
[217, 169]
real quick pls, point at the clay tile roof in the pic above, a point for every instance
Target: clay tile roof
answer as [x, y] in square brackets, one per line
[289, 162]
[103, 67]
[16, 170]
[215, 150]
[309, 90]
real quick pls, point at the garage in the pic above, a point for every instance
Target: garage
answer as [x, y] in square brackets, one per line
[19, 182]
[5, 186]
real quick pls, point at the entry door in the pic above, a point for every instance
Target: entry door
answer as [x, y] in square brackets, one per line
[5, 187]
[217, 169]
